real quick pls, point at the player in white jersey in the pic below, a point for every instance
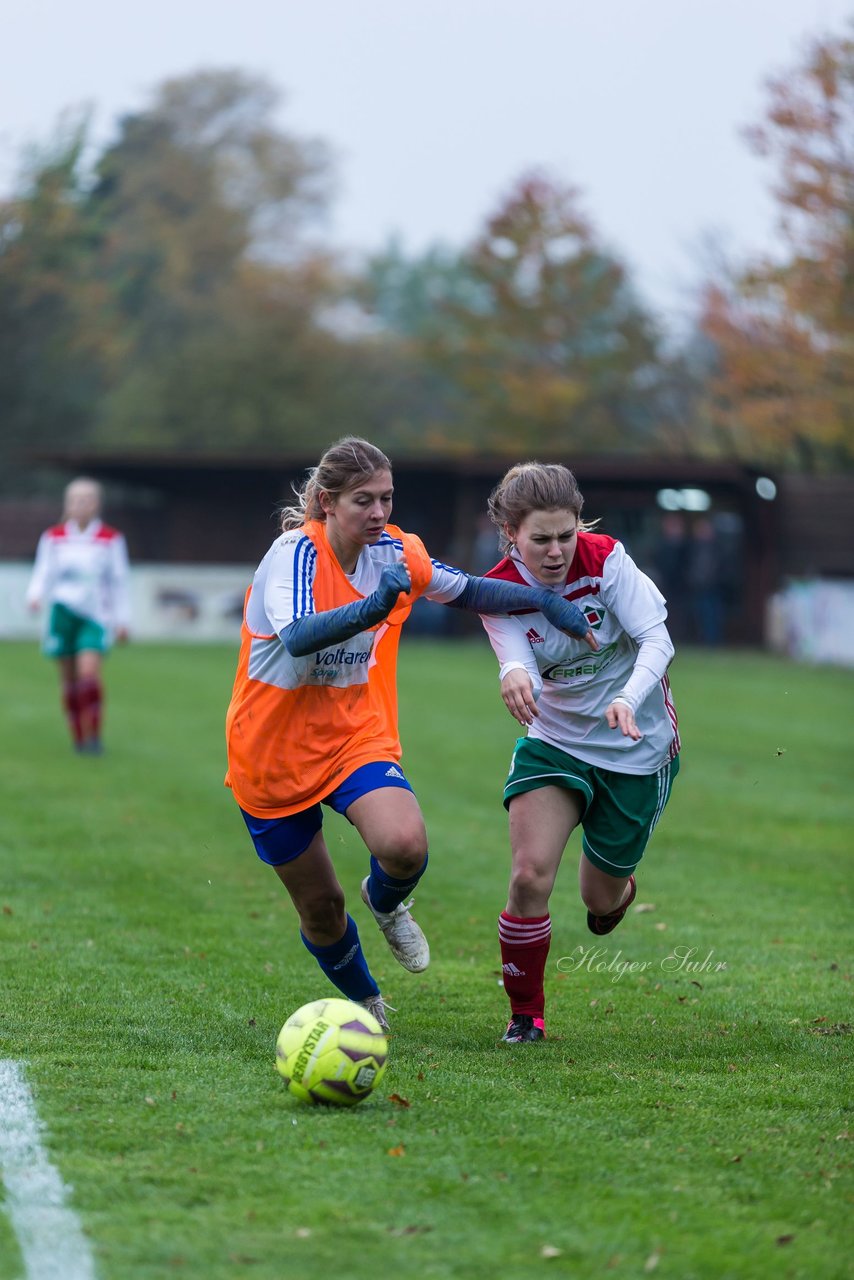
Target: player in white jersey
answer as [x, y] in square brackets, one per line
[81, 577]
[602, 744]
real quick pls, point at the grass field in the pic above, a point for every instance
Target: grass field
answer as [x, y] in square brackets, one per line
[678, 1122]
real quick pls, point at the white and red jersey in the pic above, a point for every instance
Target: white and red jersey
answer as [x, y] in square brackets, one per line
[84, 569]
[572, 684]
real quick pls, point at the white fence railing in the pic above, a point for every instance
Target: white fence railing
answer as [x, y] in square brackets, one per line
[182, 602]
[812, 621]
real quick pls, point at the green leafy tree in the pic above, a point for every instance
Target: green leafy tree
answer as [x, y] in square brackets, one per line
[203, 200]
[168, 298]
[410, 302]
[51, 307]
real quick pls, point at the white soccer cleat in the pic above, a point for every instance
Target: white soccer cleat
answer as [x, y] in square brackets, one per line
[378, 1007]
[406, 938]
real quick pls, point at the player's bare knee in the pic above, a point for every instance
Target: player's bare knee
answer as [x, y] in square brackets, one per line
[403, 854]
[528, 879]
[323, 912]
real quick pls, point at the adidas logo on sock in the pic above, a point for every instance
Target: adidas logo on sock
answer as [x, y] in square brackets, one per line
[394, 772]
[512, 970]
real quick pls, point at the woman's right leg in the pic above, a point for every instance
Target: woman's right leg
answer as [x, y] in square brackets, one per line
[313, 887]
[327, 931]
[90, 696]
[67, 668]
[541, 822]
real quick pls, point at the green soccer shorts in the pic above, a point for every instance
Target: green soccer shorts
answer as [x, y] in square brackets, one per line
[619, 810]
[67, 633]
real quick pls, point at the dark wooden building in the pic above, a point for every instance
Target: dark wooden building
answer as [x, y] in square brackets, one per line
[223, 510]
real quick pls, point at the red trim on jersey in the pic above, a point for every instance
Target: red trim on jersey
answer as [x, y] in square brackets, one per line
[106, 533]
[676, 745]
[591, 552]
[592, 590]
[506, 570]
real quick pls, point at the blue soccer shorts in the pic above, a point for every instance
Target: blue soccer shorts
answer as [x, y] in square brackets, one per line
[280, 840]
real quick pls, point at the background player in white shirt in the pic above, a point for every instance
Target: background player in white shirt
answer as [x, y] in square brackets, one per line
[602, 743]
[81, 577]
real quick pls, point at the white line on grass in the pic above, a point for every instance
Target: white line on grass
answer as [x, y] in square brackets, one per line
[51, 1241]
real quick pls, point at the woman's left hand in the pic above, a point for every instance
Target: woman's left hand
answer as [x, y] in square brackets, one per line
[620, 716]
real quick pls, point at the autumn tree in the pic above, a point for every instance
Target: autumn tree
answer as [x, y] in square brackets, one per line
[783, 387]
[535, 333]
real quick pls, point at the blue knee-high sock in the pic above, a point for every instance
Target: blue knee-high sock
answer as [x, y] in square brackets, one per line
[385, 892]
[345, 965]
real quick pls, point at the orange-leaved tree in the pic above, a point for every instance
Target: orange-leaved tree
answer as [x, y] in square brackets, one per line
[544, 342]
[783, 389]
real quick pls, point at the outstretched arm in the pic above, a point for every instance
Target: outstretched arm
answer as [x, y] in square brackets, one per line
[494, 595]
[319, 630]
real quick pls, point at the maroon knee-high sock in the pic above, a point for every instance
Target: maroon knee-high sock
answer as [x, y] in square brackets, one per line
[91, 695]
[71, 707]
[525, 944]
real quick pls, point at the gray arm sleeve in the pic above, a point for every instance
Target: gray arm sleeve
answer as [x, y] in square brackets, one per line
[319, 630]
[493, 595]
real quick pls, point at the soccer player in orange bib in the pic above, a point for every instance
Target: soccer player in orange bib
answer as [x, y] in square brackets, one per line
[602, 747]
[313, 714]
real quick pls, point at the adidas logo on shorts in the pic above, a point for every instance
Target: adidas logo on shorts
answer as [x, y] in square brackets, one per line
[394, 772]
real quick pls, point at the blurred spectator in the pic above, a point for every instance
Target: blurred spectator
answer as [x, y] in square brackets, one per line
[705, 581]
[485, 549]
[669, 571]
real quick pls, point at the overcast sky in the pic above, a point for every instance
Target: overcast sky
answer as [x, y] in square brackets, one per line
[433, 107]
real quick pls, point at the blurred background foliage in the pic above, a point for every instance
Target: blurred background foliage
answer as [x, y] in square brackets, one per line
[174, 294]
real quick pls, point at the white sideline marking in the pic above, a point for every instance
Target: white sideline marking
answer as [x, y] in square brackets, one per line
[51, 1241]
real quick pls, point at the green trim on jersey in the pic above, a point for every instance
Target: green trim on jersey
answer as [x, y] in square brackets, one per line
[620, 810]
[67, 634]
